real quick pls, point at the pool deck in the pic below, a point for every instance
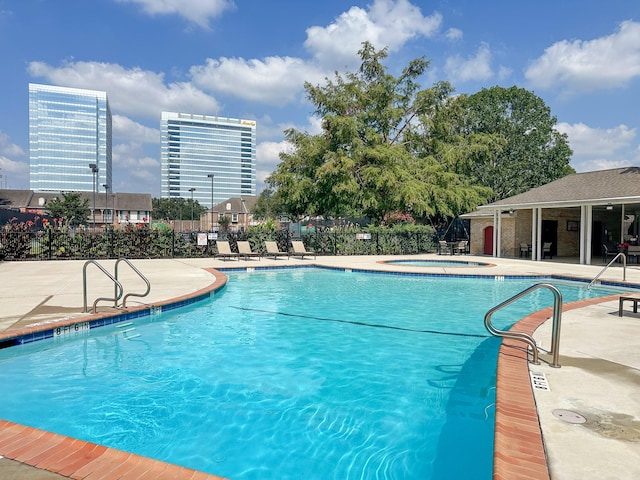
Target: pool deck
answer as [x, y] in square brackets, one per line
[597, 384]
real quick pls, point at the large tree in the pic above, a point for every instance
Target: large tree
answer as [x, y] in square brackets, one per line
[528, 150]
[366, 162]
[71, 207]
[176, 208]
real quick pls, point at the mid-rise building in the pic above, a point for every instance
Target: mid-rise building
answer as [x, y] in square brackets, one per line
[207, 158]
[69, 139]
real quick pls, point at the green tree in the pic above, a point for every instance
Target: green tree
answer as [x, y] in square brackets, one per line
[176, 208]
[367, 161]
[71, 207]
[268, 205]
[527, 150]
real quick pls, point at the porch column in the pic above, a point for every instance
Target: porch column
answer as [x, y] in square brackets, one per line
[538, 233]
[586, 231]
[534, 234]
[495, 233]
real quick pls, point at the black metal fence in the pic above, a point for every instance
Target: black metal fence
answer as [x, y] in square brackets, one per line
[52, 244]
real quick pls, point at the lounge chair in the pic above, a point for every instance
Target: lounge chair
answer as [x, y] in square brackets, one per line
[224, 251]
[607, 253]
[634, 298]
[300, 251]
[546, 250]
[272, 251]
[244, 251]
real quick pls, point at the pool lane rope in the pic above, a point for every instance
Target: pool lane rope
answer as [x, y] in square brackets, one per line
[362, 324]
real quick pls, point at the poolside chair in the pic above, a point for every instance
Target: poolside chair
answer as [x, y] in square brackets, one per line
[272, 251]
[607, 253]
[546, 250]
[300, 251]
[461, 247]
[224, 251]
[244, 251]
[633, 251]
[525, 250]
[443, 248]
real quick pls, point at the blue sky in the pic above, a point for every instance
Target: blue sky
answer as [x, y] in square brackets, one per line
[250, 58]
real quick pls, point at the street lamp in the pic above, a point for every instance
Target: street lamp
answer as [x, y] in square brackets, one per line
[106, 202]
[94, 168]
[192, 189]
[211, 177]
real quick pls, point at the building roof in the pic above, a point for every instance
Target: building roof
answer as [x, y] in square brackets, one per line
[616, 186]
[234, 204]
[29, 199]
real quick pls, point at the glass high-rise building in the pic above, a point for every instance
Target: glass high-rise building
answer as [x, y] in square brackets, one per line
[206, 156]
[69, 139]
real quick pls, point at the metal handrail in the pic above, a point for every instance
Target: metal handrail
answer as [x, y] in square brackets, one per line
[146, 280]
[525, 337]
[624, 269]
[116, 283]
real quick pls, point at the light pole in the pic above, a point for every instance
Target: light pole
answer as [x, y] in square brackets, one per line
[106, 202]
[94, 168]
[192, 189]
[211, 225]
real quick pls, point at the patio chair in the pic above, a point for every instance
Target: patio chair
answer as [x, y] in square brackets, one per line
[546, 250]
[299, 250]
[525, 250]
[272, 251]
[443, 248]
[607, 253]
[633, 251]
[244, 251]
[461, 247]
[224, 251]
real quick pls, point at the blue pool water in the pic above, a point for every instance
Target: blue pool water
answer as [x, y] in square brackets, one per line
[304, 373]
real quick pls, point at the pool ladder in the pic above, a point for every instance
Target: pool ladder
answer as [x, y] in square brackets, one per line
[118, 289]
[525, 337]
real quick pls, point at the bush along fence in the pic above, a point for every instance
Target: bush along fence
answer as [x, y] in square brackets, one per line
[22, 241]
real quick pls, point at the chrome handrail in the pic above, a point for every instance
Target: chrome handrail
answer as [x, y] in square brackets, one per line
[525, 337]
[146, 280]
[624, 269]
[116, 283]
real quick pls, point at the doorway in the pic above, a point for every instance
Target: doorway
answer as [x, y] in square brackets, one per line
[550, 234]
[487, 248]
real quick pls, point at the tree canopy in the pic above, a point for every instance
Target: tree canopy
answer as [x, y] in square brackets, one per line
[368, 159]
[530, 151]
[71, 207]
[176, 208]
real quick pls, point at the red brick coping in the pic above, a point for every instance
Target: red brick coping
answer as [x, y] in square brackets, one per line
[518, 452]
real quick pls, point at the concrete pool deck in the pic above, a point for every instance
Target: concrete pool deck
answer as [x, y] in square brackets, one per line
[598, 381]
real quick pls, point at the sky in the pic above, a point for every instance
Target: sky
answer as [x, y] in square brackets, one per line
[249, 59]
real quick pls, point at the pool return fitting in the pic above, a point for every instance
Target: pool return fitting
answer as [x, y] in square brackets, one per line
[525, 337]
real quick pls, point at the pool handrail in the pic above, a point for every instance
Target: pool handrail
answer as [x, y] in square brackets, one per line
[146, 280]
[624, 269]
[525, 337]
[118, 286]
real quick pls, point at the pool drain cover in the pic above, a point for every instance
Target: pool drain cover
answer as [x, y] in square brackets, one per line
[569, 416]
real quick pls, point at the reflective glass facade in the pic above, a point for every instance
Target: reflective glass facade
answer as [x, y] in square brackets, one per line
[69, 129]
[195, 146]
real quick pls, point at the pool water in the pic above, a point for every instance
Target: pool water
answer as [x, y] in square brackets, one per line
[305, 373]
[437, 263]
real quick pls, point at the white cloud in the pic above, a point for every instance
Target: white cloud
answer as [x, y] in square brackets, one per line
[274, 80]
[268, 158]
[132, 168]
[126, 129]
[453, 34]
[132, 91]
[387, 23]
[600, 148]
[9, 148]
[577, 65]
[14, 166]
[196, 11]
[589, 141]
[476, 67]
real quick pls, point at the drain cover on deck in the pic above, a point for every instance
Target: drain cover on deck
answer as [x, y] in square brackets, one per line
[569, 416]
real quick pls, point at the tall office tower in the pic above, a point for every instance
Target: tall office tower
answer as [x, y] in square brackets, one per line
[206, 158]
[69, 139]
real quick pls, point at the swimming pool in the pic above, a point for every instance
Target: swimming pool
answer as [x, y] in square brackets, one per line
[298, 373]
